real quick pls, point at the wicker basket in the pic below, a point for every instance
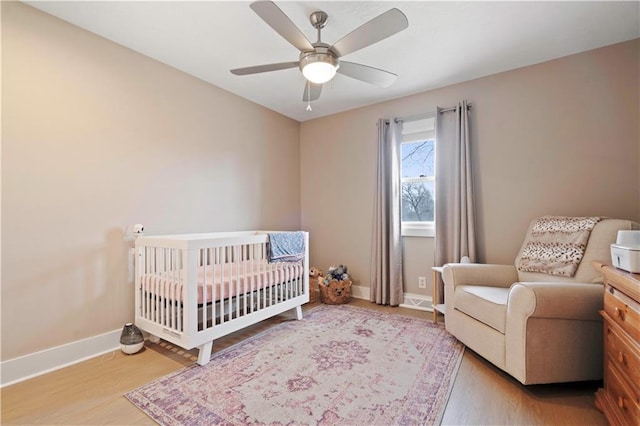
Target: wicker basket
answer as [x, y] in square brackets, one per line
[336, 293]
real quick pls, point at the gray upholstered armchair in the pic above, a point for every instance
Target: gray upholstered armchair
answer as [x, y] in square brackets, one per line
[538, 327]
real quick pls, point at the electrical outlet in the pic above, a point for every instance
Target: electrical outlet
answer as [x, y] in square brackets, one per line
[422, 282]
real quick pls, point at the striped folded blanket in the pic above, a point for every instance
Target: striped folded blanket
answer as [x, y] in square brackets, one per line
[286, 247]
[556, 245]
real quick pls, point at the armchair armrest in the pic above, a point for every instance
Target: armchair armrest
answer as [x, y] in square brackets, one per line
[479, 274]
[574, 301]
[553, 330]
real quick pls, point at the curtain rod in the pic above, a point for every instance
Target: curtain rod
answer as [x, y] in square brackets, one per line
[453, 108]
[425, 115]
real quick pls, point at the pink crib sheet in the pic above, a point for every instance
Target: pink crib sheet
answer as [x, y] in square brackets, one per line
[220, 282]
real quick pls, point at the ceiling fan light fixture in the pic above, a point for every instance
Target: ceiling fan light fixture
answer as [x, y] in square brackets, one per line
[319, 68]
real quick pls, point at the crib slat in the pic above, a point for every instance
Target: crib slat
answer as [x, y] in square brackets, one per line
[215, 290]
[163, 285]
[265, 278]
[190, 270]
[222, 289]
[245, 278]
[180, 312]
[145, 281]
[252, 252]
[202, 264]
[151, 283]
[229, 284]
[236, 262]
[156, 289]
[210, 307]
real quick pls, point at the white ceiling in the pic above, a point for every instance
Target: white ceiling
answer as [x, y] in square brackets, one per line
[446, 42]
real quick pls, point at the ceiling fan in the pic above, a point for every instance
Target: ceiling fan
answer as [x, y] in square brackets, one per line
[319, 61]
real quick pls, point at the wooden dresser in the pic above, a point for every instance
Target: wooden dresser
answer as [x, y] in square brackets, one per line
[619, 399]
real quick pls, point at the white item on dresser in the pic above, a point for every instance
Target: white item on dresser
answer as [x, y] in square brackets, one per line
[625, 253]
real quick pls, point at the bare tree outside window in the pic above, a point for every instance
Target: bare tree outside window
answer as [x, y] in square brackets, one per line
[418, 178]
[417, 203]
[418, 158]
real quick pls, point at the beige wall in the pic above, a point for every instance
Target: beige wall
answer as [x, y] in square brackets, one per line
[96, 137]
[557, 138]
[415, 250]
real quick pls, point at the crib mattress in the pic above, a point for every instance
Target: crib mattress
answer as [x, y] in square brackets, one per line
[219, 282]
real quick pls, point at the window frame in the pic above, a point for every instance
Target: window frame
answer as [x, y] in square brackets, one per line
[414, 228]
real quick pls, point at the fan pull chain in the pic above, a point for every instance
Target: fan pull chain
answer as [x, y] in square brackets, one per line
[309, 96]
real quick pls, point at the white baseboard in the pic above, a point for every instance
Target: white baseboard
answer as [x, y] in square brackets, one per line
[38, 363]
[360, 292]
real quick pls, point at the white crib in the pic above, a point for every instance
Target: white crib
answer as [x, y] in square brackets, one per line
[192, 289]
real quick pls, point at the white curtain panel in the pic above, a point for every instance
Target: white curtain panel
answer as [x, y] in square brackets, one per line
[455, 212]
[386, 245]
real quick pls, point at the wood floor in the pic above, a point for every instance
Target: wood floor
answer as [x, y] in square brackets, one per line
[92, 392]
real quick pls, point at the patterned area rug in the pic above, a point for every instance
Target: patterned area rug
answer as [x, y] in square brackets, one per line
[340, 365]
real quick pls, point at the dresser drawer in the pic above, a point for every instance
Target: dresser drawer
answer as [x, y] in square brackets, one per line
[623, 353]
[623, 397]
[623, 310]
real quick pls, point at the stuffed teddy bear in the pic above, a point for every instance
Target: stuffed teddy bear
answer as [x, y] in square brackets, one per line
[336, 273]
[316, 276]
[315, 272]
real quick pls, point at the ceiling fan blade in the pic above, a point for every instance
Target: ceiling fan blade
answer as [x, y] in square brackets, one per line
[367, 74]
[311, 92]
[264, 68]
[276, 19]
[379, 28]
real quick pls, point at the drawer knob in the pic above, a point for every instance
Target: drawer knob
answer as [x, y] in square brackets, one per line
[619, 313]
[621, 359]
[621, 403]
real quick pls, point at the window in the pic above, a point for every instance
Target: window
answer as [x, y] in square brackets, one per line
[418, 177]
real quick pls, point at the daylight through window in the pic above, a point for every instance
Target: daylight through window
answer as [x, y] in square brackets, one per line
[418, 177]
